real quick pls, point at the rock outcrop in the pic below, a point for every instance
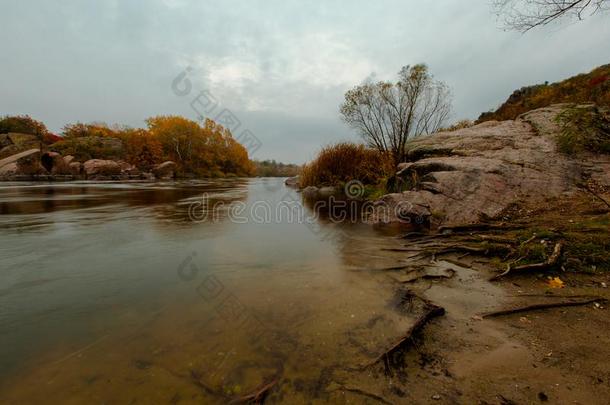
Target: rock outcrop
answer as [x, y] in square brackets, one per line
[475, 173]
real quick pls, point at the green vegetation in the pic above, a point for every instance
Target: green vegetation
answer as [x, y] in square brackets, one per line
[591, 87]
[338, 164]
[584, 128]
[271, 168]
[462, 124]
[22, 124]
[90, 147]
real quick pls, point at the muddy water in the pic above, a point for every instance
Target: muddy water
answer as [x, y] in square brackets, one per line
[150, 293]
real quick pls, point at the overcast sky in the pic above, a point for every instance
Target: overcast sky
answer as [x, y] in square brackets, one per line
[281, 67]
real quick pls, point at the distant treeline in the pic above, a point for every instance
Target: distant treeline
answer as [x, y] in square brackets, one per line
[271, 168]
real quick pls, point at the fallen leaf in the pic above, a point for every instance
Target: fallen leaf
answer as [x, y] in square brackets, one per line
[556, 283]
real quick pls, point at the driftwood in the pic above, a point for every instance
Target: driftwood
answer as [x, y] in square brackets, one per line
[535, 307]
[431, 311]
[550, 262]
[258, 396]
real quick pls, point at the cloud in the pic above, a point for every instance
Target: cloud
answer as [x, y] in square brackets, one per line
[281, 66]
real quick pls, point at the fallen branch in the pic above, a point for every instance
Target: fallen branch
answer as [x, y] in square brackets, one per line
[535, 307]
[259, 395]
[550, 262]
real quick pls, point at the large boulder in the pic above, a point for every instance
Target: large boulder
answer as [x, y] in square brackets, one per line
[165, 171]
[98, 168]
[76, 168]
[476, 173]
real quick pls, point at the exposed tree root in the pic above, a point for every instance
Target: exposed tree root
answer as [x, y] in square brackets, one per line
[550, 262]
[364, 394]
[535, 307]
[490, 250]
[431, 311]
[259, 395]
[195, 378]
[449, 273]
[480, 227]
[401, 267]
[589, 189]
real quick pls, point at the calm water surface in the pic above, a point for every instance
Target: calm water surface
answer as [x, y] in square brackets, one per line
[112, 293]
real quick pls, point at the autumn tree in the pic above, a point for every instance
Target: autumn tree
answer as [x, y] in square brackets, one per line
[141, 148]
[388, 114]
[207, 150]
[523, 15]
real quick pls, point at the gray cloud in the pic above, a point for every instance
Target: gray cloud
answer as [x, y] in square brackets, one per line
[281, 66]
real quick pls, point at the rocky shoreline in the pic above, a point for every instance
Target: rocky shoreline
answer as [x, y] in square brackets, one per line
[32, 165]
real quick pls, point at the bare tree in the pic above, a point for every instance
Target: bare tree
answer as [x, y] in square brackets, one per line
[523, 15]
[388, 114]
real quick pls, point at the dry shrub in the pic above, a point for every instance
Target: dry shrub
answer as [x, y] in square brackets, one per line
[343, 162]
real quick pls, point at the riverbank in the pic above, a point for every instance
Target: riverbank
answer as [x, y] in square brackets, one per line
[504, 271]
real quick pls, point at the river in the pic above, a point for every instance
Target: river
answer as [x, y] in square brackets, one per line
[199, 291]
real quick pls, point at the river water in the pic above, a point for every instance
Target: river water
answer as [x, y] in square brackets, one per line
[184, 292]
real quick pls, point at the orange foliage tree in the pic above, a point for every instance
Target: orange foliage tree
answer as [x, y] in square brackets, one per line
[207, 150]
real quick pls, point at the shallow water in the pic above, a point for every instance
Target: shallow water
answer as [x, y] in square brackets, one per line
[149, 292]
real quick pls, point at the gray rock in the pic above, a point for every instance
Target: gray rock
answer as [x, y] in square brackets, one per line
[76, 168]
[310, 191]
[165, 171]
[8, 170]
[101, 169]
[292, 181]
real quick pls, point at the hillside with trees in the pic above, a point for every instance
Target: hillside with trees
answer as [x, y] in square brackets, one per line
[590, 87]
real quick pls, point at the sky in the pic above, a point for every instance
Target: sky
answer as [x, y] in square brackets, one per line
[280, 68]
